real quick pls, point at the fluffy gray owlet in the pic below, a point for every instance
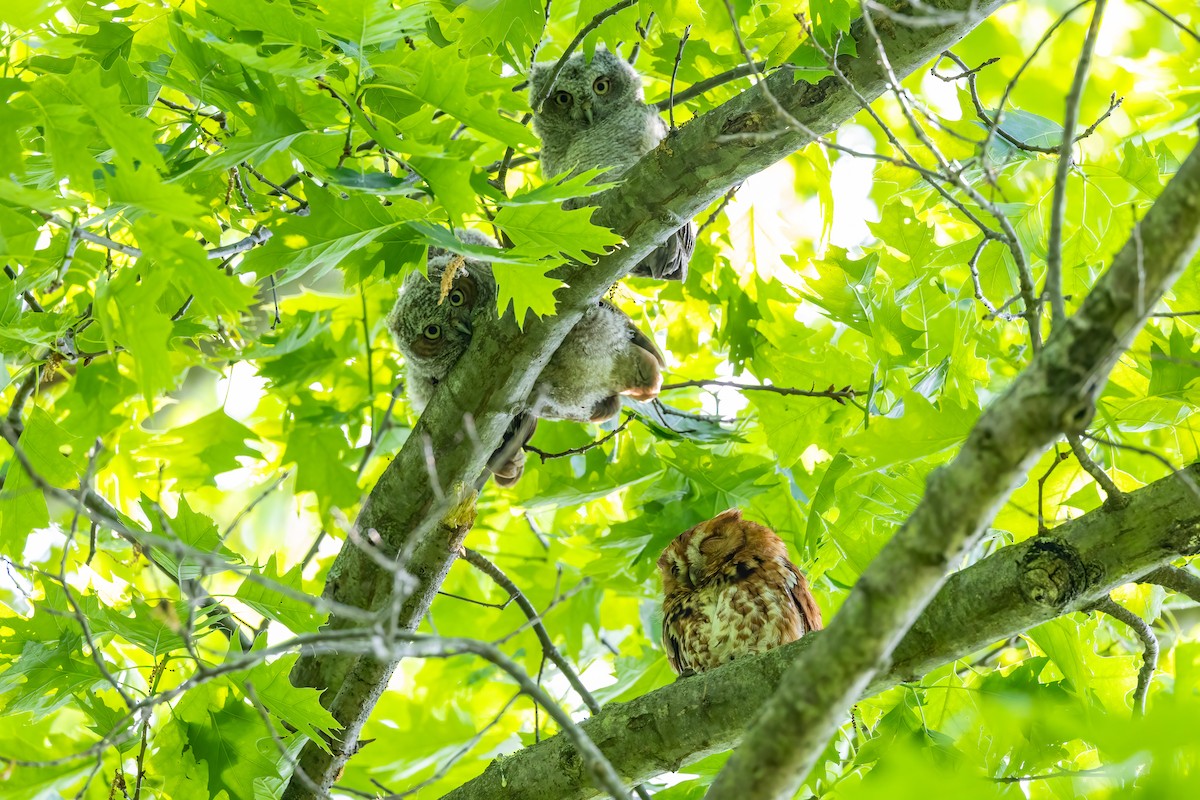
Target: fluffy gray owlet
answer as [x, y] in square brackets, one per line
[603, 357]
[595, 116]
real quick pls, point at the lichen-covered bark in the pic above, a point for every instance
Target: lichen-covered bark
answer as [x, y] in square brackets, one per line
[1055, 394]
[466, 419]
[1000, 596]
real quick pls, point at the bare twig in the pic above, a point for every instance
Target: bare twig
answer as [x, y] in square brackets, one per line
[1098, 772]
[1176, 579]
[833, 393]
[444, 769]
[674, 72]
[30, 300]
[1178, 23]
[256, 237]
[574, 451]
[1113, 496]
[1058, 205]
[487, 567]
[708, 84]
[384, 426]
[1149, 645]
[716, 212]
[251, 505]
[507, 161]
[1185, 478]
[993, 129]
[1114, 103]
[1041, 484]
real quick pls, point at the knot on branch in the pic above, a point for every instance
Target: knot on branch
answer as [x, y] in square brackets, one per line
[1187, 533]
[1051, 573]
[748, 122]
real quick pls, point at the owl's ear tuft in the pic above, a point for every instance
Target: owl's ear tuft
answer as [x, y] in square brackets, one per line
[729, 515]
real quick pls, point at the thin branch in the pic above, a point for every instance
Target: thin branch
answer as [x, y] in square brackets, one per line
[30, 300]
[597, 20]
[574, 451]
[250, 507]
[1176, 579]
[1098, 772]
[833, 393]
[1113, 496]
[487, 567]
[1058, 205]
[1032, 311]
[1114, 103]
[716, 212]
[708, 84]
[1182, 475]
[977, 282]
[1041, 484]
[993, 129]
[1146, 636]
[674, 73]
[258, 236]
[384, 426]
[507, 161]
[457, 755]
[1178, 23]
[88, 236]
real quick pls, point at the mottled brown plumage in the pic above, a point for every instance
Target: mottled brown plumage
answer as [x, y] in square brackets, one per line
[729, 590]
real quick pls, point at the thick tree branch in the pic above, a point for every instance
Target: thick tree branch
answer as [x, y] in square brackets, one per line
[996, 598]
[466, 419]
[1055, 394]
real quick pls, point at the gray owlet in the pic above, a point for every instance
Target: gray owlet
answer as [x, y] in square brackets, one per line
[603, 357]
[595, 116]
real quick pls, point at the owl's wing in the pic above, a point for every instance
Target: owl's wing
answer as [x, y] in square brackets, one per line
[636, 335]
[671, 644]
[804, 601]
[669, 261]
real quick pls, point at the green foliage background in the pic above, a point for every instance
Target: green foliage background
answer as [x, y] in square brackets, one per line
[243, 406]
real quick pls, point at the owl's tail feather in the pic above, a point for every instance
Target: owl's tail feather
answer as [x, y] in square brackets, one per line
[669, 261]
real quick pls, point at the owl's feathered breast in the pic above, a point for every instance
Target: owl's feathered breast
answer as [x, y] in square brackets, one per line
[747, 608]
[617, 141]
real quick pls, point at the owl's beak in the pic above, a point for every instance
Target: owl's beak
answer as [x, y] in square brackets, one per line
[696, 575]
[587, 111]
[461, 327]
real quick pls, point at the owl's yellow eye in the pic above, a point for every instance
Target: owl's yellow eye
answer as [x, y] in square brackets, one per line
[563, 99]
[432, 332]
[456, 298]
[602, 85]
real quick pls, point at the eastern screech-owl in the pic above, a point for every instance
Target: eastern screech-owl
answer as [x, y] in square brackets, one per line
[432, 334]
[729, 591]
[603, 357]
[595, 116]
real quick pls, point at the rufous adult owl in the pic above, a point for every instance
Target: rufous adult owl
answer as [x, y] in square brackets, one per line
[595, 116]
[729, 590]
[603, 357]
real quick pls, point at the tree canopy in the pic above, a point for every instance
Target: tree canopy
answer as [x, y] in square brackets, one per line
[941, 318]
